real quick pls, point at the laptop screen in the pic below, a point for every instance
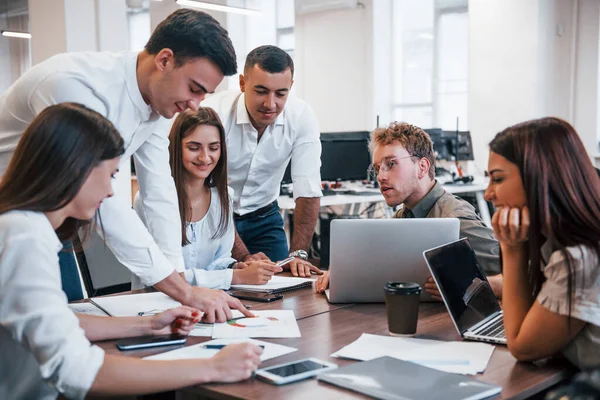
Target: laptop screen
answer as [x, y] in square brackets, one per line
[468, 295]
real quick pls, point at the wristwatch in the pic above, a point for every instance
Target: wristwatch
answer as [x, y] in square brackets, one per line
[299, 253]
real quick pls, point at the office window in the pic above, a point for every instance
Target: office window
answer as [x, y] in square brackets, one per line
[430, 63]
[285, 21]
[15, 53]
[139, 25]
[452, 66]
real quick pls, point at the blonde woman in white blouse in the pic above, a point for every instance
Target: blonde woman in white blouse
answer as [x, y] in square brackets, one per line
[547, 198]
[199, 167]
[60, 173]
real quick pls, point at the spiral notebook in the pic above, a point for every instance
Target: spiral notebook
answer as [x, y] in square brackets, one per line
[277, 284]
[388, 378]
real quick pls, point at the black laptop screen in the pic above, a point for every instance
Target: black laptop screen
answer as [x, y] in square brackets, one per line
[467, 293]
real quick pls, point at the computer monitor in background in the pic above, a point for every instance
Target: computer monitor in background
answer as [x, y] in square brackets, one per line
[439, 144]
[344, 156]
[464, 150]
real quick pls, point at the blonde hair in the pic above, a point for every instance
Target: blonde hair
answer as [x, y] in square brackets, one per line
[414, 139]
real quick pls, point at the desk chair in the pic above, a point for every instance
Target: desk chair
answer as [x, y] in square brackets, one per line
[102, 273]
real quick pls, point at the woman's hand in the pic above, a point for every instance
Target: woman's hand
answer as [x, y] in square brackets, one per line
[180, 320]
[255, 273]
[511, 227]
[432, 289]
[322, 283]
[236, 362]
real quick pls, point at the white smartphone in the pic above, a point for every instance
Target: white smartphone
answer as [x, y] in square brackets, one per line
[294, 371]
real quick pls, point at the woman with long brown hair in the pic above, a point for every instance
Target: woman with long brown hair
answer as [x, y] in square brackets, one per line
[547, 220]
[60, 173]
[198, 157]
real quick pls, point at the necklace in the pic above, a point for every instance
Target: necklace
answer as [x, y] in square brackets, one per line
[196, 203]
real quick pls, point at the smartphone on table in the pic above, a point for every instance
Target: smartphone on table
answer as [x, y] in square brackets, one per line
[145, 342]
[294, 371]
[255, 296]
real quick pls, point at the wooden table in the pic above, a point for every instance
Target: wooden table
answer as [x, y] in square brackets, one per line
[328, 327]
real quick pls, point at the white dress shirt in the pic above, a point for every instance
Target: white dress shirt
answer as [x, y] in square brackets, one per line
[206, 259]
[107, 83]
[255, 169]
[42, 346]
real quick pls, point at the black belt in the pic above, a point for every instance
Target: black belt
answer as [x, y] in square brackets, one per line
[254, 213]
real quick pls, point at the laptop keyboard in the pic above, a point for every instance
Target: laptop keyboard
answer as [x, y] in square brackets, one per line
[495, 329]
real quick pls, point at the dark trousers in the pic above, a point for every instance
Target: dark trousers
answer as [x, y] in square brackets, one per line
[264, 232]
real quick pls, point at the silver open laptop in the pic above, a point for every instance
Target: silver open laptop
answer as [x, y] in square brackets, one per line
[367, 253]
[467, 294]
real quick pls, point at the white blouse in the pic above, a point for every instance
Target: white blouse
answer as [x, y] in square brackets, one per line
[584, 349]
[43, 350]
[206, 259]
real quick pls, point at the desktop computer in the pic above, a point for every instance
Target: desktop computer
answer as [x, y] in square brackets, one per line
[344, 157]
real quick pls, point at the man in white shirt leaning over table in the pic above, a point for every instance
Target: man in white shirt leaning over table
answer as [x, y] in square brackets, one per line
[265, 128]
[186, 57]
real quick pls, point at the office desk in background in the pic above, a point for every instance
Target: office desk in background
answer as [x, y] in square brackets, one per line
[478, 187]
[328, 327]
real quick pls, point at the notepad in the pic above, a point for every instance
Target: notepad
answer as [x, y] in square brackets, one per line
[277, 284]
[392, 379]
[456, 357]
[270, 350]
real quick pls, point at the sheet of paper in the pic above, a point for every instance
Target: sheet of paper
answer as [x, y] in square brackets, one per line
[132, 304]
[206, 330]
[457, 357]
[87, 308]
[276, 282]
[265, 324]
[271, 350]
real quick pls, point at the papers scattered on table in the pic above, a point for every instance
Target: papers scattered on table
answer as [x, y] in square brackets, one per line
[271, 350]
[457, 357]
[277, 284]
[265, 324]
[87, 308]
[206, 330]
[132, 305]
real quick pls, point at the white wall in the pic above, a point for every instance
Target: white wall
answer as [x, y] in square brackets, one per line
[504, 68]
[59, 26]
[585, 115]
[544, 64]
[334, 60]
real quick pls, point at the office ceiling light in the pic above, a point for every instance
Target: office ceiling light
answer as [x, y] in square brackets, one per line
[7, 32]
[218, 7]
[22, 35]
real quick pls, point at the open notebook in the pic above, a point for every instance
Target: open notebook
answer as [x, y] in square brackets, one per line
[277, 284]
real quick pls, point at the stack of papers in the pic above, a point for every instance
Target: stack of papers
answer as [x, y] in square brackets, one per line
[277, 284]
[456, 357]
[271, 350]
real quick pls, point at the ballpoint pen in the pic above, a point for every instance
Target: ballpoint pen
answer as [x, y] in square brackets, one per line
[220, 346]
[283, 262]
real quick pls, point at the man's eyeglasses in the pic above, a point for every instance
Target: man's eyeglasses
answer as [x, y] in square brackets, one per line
[386, 165]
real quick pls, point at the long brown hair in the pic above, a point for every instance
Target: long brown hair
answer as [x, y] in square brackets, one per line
[53, 159]
[562, 190]
[185, 123]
